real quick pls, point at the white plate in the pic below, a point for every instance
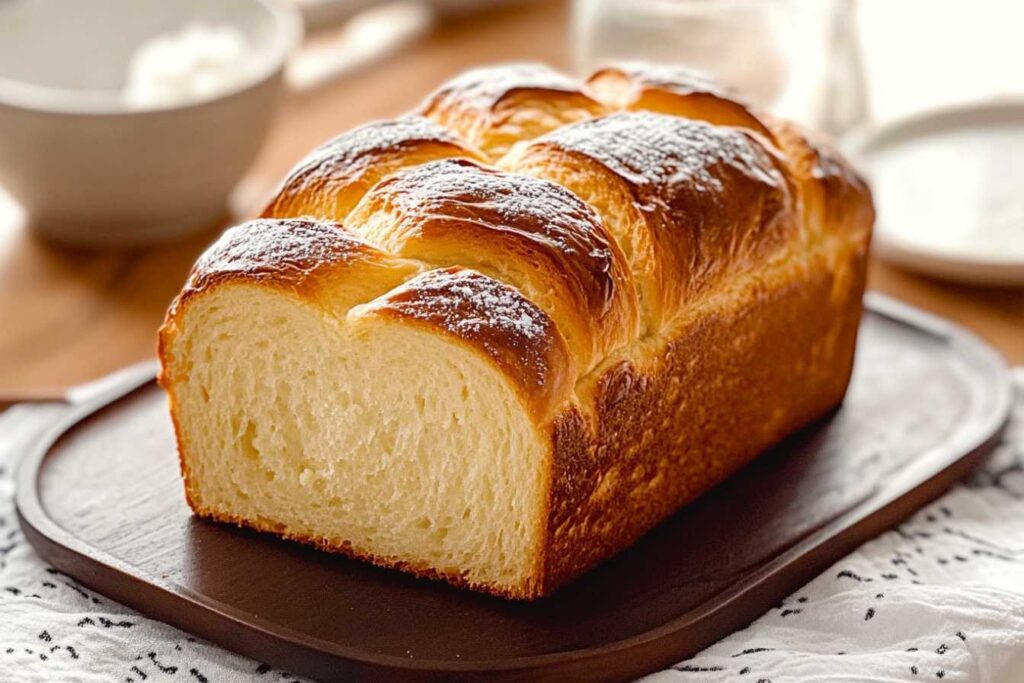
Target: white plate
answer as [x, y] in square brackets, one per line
[949, 189]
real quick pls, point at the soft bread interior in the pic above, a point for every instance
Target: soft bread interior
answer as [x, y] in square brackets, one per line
[379, 436]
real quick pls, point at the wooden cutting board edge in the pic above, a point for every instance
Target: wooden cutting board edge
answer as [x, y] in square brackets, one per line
[654, 649]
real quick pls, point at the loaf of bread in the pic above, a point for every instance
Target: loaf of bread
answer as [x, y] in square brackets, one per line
[497, 340]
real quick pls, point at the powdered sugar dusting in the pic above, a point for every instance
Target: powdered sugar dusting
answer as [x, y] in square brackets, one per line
[511, 212]
[513, 331]
[275, 248]
[503, 308]
[651, 149]
[355, 149]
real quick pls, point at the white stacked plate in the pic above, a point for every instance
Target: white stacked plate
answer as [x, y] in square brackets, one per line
[949, 188]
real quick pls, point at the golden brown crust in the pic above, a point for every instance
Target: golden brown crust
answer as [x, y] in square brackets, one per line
[533, 234]
[829, 189]
[673, 90]
[281, 251]
[836, 198]
[301, 255]
[702, 202]
[733, 379]
[335, 176]
[494, 107]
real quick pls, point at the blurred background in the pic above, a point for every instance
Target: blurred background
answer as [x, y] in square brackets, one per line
[132, 133]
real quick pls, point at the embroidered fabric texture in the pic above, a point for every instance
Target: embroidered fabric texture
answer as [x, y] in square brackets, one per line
[939, 598]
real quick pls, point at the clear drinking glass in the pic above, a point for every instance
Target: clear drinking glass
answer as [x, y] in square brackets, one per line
[795, 57]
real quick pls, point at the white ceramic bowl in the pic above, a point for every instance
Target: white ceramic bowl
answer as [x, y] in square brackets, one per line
[89, 170]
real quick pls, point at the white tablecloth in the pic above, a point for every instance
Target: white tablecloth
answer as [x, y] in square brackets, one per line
[939, 598]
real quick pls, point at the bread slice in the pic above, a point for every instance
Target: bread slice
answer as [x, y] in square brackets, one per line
[500, 378]
[368, 428]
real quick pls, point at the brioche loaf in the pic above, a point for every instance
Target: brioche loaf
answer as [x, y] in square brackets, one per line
[497, 340]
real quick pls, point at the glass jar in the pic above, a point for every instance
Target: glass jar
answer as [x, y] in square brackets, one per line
[797, 58]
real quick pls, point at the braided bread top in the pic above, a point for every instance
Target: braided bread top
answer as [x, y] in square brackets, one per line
[555, 226]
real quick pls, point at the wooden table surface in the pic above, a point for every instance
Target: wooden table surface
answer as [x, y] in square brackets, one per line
[73, 315]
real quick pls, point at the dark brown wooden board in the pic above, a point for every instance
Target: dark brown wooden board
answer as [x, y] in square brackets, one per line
[101, 499]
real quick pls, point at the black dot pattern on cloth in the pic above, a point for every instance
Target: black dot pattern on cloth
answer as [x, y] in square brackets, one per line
[907, 605]
[939, 597]
[54, 629]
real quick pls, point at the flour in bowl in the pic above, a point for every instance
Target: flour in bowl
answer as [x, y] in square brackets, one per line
[190, 64]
